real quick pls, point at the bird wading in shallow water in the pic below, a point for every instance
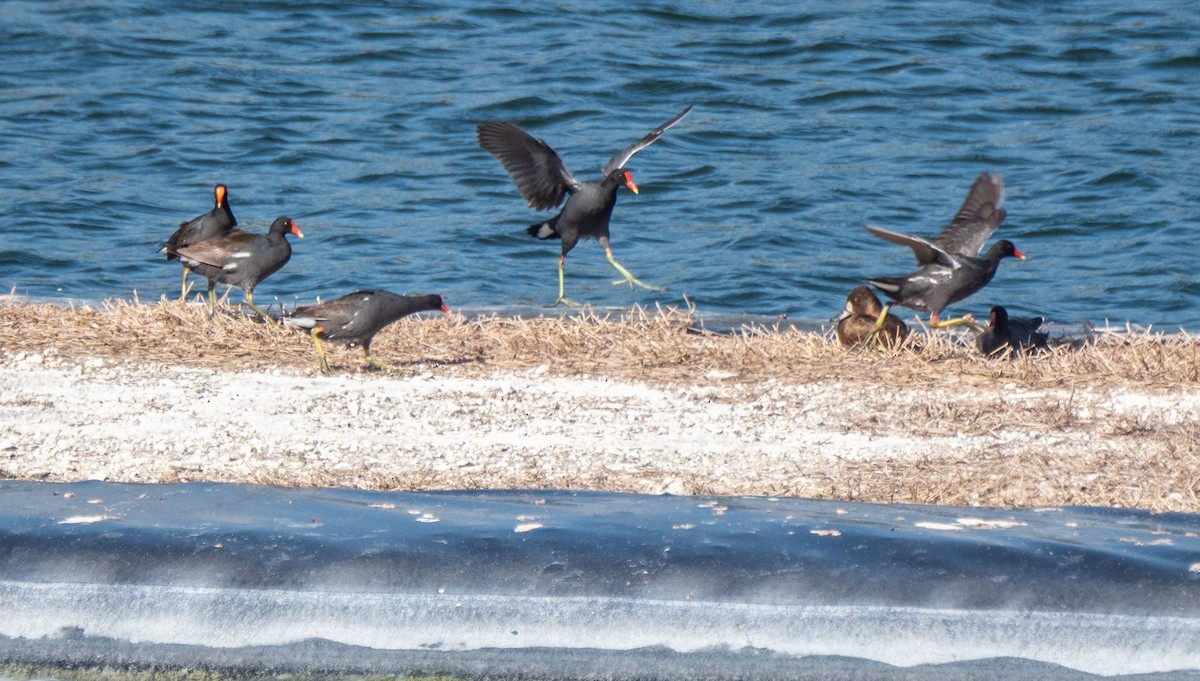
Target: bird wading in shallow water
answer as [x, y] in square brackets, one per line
[543, 179]
[241, 259]
[355, 318]
[217, 222]
[864, 319]
[951, 268]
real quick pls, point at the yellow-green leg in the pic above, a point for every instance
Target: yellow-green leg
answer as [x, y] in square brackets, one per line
[320, 350]
[965, 320]
[561, 298]
[261, 313]
[878, 325]
[378, 364]
[212, 298]
[629, 278]
[183, 284]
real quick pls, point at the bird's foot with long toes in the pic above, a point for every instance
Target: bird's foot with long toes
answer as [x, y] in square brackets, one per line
[566, 301]
[378, 364]
[262, 314]
[628, 278]
[965, 320]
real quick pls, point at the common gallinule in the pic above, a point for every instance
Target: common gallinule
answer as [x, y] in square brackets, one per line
[864, 319]
[215, 223]
[543, 179]
[1011, 334]
[951, 268]
[241, 259]
[354, 319]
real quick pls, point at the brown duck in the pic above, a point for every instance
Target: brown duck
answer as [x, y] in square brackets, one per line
[860, 321]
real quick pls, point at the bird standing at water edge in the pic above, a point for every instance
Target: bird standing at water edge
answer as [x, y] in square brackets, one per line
[355, 319]
[215, 223]
[241, 259]
[543, 179]
[951, 268]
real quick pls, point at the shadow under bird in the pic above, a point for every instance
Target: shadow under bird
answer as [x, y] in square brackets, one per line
[951, 268]
[241, 259]
[543, 180]
[1013, 335]
[864, 319]
[354, 319]
[217, 222]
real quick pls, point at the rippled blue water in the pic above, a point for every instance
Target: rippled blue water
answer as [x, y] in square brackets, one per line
[810, 120]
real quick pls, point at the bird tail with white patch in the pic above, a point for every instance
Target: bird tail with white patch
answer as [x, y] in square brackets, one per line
[886, 285]
[545, 230]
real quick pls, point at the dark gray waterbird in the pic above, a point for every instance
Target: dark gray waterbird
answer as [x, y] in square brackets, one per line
[951, 268]
[355, 318]
[543, 179]
[241, 259]
[1011, 334]
[215, 223]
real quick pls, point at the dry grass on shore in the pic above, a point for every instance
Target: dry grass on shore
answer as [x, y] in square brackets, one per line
[655, 346]
[1145, 461]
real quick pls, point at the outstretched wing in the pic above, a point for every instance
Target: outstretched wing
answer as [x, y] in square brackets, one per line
[535, 168]
[978, 218]
[622, 158]
[927, 252]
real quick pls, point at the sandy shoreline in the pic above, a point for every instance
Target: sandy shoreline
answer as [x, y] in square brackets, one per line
[70, 418]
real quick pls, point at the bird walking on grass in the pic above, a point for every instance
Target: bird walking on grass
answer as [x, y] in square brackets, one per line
[355, 318]
[216, 223]
[241, 259]
[543, 180]
[951, 268]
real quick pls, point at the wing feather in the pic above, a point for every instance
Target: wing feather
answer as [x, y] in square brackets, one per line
[627, 153]
[535, 168]
[218, 252]
[977, 219]
[927, 252]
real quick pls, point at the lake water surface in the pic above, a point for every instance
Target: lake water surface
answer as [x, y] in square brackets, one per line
[810, 121]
